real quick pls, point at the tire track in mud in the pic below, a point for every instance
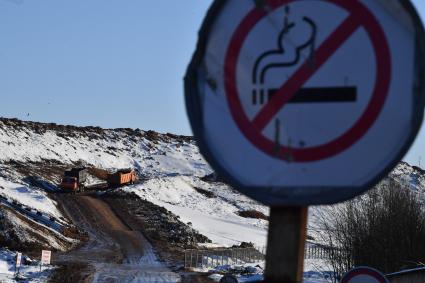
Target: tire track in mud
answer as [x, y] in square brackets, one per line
[116, 253]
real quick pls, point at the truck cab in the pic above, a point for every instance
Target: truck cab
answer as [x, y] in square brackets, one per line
[74, 179]
[69, 183]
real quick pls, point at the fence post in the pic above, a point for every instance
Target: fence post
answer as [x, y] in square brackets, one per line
[202, 259]
[196, 262]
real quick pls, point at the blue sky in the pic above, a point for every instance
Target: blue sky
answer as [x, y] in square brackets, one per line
[104, 62]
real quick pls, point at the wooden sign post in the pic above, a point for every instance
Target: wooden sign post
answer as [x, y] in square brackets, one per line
[285, 244]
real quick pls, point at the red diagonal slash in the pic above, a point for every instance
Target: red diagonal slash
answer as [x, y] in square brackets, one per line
[305, 72]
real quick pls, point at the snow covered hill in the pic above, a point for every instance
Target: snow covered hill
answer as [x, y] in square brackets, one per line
[170, 165]
[172, 175]
[411, 176]
[152, 153]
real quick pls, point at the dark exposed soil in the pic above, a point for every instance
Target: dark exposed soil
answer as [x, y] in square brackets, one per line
[164, 230]
[10, 237]
[69, 132]
[253, 214]
[71, 273]
[110, 241]
[48, 170]
[206, 193]
[114, 249]
[196, 278]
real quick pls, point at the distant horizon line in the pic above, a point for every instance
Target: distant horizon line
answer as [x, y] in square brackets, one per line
[89, 126]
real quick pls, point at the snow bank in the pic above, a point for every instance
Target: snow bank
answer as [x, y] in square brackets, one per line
[213, 214]
[31, 197]
[313, 272]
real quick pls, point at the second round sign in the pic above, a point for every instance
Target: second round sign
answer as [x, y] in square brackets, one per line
[306, 102]
[364, 275]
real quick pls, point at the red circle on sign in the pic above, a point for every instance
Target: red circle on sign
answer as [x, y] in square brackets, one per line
[361, 17]
[363, 271]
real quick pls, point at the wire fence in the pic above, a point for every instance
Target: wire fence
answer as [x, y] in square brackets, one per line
[317, 252]
[239, 256]
[217, 257]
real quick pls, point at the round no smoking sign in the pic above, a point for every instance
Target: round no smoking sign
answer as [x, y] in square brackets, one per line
[306, 102]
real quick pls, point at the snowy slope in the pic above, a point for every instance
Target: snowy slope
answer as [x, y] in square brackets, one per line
[214, 216]
[410, 176]
[153, 154]
[31, 197]
[171, 167]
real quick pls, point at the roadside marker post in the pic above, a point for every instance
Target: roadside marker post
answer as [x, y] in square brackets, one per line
[297, 103]
[18, 263]
[46, 256]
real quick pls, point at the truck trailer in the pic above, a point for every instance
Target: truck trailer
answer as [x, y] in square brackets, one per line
[122, 177]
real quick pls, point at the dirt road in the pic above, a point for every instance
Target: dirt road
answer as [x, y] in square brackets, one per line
[115, 252]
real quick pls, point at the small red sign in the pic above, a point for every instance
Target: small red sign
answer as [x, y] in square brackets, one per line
[364, 274]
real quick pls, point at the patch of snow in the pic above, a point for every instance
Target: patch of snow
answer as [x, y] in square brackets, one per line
[146, 269]
[255, 272]
[112, 149]
[31, 197]
[213, 216]
[27, 273]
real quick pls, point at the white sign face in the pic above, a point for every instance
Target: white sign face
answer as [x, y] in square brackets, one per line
[306, 102]
[18, 259]
[364, 275]
[45, 257]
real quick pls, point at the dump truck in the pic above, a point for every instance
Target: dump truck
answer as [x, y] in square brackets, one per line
[74, 180]
[121, 177]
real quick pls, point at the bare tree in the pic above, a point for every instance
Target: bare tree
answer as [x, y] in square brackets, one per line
[384, 229]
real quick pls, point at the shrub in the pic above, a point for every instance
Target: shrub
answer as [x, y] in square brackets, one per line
[383, 229]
